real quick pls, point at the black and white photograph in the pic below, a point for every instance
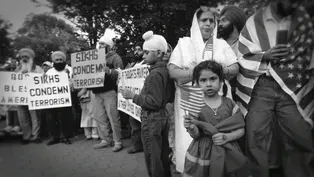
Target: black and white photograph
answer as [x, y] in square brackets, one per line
[157, 88]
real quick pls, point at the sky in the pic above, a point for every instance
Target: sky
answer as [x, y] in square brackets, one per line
[15, 12]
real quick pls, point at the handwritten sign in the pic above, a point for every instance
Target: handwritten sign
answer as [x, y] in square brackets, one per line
[132, 79]
[13, 88]
[89, 68]
[49, 91]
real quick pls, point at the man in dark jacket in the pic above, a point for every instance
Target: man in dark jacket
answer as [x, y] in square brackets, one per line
[105, 104]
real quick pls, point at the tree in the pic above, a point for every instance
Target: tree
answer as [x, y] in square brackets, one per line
[131, 18]
[90, 16]
[5, 41]
[45, 33]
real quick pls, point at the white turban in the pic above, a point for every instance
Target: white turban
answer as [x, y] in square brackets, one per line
[58, 54]
[107, 40]
[154, 42]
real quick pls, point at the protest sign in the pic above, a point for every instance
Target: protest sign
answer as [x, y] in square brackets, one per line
[13, 88]
[89, 68]
[132, 79]
[49, 91]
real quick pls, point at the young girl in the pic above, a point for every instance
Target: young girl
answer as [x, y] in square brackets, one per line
[87, 121]
[213, 151]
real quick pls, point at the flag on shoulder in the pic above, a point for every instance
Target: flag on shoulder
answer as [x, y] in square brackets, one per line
[292, 73]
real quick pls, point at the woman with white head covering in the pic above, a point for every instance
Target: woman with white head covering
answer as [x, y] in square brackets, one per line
[200, 46]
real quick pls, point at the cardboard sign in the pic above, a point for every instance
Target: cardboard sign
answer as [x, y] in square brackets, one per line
[49, 91]
[13, 88]
[132, 79]
[89, 68]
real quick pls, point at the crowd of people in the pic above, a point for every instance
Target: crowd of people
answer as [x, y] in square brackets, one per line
[256, 81]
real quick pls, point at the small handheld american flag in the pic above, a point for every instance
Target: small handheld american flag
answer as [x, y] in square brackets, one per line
[192, 99]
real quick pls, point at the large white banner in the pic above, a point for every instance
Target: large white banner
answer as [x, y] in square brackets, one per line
[49, 91]
[132, 79]
[89, 68]
[13, 88]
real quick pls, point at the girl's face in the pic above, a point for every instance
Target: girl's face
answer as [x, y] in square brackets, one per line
[209, 82]
[206, 22]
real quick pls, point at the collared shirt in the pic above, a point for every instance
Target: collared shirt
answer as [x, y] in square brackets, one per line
[158, 89]
[272, 26]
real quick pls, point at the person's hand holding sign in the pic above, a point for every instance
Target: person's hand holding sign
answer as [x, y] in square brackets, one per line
[127, 94]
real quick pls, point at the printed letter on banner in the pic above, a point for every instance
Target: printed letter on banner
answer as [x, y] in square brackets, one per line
[132, 79]
[49, 91]
[13, 88]
[89, 68]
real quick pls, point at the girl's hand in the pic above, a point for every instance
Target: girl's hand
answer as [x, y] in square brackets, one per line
[220, 139]
[189, 121]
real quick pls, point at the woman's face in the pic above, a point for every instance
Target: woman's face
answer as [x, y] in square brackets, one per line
[206, 22]
[167, 55]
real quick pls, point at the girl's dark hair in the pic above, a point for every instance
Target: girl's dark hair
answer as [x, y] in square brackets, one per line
[213, 66]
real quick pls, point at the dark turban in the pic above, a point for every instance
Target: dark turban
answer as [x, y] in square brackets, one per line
[235, 15]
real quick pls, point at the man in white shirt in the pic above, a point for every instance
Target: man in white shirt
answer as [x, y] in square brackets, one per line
[275, 89]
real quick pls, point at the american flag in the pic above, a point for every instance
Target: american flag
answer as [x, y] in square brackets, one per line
[192, 99]
[292, 73]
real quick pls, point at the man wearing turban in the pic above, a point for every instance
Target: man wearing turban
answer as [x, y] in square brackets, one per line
[29, 120]
[59, 118]
[105, 103]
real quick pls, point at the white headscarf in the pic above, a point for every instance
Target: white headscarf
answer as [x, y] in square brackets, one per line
[196, 37]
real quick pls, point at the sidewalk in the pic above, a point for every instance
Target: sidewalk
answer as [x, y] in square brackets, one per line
[76, 160]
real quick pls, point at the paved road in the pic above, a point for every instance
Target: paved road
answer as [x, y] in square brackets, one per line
[76, 160]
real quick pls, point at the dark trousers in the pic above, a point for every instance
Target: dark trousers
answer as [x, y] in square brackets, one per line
[60, 119]
[155, 129]
[136, 133]
[277, 134]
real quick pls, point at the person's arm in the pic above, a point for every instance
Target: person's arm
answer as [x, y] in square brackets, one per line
[180, 75]
[81, 92]
[194, 132]
[234, 135]
[117, 63]
[223, 138]
[231, 71]
[208, 128]
[151, 100]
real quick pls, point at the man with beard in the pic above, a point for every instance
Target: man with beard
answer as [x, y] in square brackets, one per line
[231, 21]
[29, 120]
[137, 145]
[59, 117]
[105, 104]
[275, 89]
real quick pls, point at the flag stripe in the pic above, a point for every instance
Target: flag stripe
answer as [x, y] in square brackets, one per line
[245, 34]
[244, 90]
[262, 33]
[245, 81]
[307, 99]
[243, 97]
[248, 73]
[191, 103]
